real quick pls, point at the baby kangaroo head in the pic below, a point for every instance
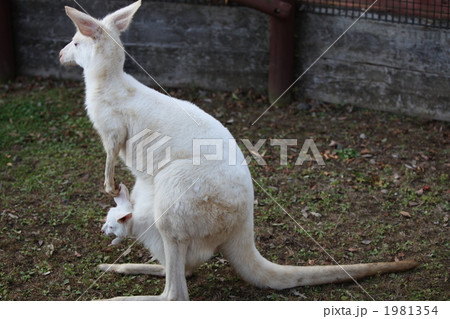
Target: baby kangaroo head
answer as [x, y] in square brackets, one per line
[119, 217]
[97, 41]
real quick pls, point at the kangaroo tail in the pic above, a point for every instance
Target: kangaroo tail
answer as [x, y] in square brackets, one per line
[240, 250]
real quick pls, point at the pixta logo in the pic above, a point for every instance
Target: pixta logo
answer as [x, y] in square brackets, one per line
[149, 151]
[214, 150]
[145, 151]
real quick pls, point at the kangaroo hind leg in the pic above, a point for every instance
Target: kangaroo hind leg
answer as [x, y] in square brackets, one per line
[176, 287]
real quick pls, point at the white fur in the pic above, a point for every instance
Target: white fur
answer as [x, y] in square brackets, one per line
[216, 212]
[117, 219]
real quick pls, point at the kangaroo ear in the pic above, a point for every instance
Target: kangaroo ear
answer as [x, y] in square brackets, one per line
[124, 218]
[87, 25]
[122, 17]
[123, 197]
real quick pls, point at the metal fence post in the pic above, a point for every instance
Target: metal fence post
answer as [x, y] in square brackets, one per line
[281, 68]
[282, 28]
[6, 42]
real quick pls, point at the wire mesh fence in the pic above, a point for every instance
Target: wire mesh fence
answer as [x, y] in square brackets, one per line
[432, 13]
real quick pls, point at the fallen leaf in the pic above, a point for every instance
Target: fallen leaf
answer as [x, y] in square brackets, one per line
[49, 249]
[328, 155]
[298, 294]
[290, 252]
[333, 143]
[353, 249]
[366, 242]
[77, 254]
[406, 214]
[126, 252]
[315, 214]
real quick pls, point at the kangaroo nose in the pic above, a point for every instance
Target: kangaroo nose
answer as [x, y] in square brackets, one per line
[60, 54]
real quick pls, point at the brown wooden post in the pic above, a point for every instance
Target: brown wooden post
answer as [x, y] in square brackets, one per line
[281, 67]
[282, 28]
[6, 42]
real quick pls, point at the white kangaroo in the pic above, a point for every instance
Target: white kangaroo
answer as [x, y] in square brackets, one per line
[118, 216]
[196, 209]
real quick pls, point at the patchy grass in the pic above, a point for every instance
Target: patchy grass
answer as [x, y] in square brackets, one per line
[383, 195]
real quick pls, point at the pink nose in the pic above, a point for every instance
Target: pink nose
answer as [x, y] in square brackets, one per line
[60, 54]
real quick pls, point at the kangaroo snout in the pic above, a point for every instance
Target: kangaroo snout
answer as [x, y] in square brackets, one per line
[66, 55]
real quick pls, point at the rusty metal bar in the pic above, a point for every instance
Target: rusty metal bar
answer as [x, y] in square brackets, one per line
[281, 67]
[6, 42]
[282, 29]
[276, 8]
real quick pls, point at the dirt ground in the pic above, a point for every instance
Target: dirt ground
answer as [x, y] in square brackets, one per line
[382, 195]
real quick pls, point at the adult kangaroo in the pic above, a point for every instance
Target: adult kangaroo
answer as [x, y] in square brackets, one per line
[193, 205]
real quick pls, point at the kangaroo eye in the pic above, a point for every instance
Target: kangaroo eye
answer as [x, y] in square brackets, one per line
[76, 44]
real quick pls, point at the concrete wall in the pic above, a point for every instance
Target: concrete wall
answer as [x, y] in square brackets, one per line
[178, 44]
[385, 66]
[400, 68]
